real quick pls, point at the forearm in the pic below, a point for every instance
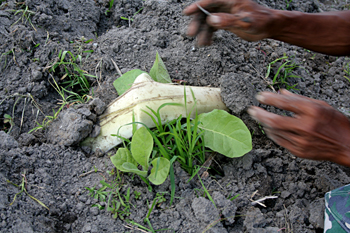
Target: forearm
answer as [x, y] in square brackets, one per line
[327, 33]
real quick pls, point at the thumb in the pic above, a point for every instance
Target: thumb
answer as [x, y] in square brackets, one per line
[228, 21]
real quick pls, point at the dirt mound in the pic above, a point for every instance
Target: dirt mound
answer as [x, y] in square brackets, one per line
[127, 35]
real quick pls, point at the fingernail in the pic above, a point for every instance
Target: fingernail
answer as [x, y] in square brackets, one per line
[260, 98]
[215, 19]
[252, 113]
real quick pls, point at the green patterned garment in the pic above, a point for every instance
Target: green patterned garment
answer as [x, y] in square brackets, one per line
[337, 212]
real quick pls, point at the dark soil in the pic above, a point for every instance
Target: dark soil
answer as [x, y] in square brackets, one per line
[54, 162]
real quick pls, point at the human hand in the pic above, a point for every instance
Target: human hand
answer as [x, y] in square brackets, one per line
[317, 131]
[245, 18]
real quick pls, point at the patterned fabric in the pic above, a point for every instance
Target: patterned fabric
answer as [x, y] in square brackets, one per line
[337, 212]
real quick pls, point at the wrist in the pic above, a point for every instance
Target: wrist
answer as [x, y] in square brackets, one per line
[284, 24]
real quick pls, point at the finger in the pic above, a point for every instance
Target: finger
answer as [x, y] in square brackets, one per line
[229, 21]
[272, 134]
[287, 101]
[283, 142]
[205, 35]
[286, 140]
[285, 92]
[287, 137]
[195, 24]
[210, 5]
[191, 9]
[272, 120]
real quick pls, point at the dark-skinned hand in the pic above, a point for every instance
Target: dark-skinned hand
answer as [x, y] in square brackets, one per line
[317, 131]
[326, 32]
[245, 18]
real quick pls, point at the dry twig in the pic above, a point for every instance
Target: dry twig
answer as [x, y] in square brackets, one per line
[87, 173]
[134, 228]
[117, 68]
[261, 199]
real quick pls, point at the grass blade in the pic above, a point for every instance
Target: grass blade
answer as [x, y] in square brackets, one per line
[206, 191]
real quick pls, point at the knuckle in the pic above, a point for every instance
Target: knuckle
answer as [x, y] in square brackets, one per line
[270, 122]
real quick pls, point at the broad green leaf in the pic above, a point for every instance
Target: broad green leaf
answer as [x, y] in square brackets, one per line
[225, 133]
[141, 147]
[130, 167]
[124, 82]
[160, 170]
[123, 155]
[158, 72]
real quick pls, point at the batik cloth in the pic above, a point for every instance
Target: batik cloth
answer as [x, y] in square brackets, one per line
[337, 211]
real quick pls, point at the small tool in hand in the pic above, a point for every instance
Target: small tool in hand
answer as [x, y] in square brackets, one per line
[204, 11]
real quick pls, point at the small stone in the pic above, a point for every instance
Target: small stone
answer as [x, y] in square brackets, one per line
[79, 206]
[254, 219]
[67, 227]
[95, 131]
[285, 194]
[7, 141]
[69, 128]
[36, 75]
[87, 227]
[94, 211]
[98, 105]
[3, 224]
[316, 211]
[83, 198]
[26, 139]
[229, 209]
[204, 210]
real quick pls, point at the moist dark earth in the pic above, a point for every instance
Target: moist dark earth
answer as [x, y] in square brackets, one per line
[54, 163]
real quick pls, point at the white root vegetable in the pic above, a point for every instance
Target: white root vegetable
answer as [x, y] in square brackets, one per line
[146, 92]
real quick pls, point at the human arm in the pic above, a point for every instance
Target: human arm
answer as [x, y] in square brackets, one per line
[327, 32]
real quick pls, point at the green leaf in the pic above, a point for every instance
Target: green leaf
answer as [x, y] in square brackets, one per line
[123, 155]
[141, 147]
[293, 76]
[232, 198]
[158, 72]
[124, 82]
[130, 167]
[111, 4]
[172, 184]
[225, 133]
[278, 72]
[98, 206]
[160, 170]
